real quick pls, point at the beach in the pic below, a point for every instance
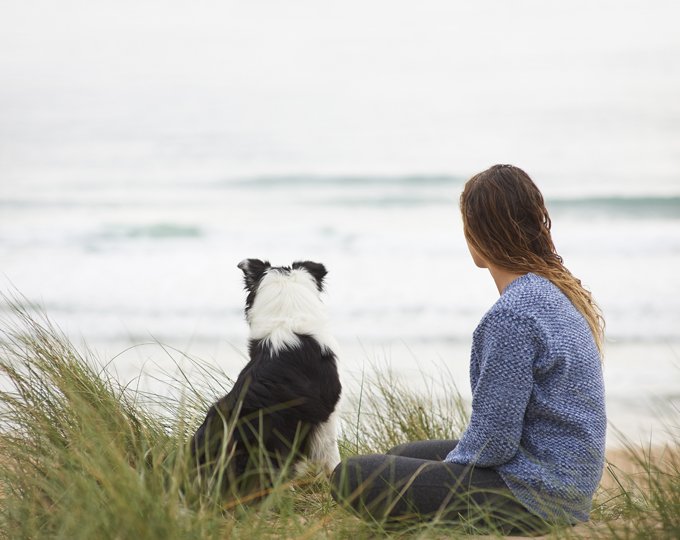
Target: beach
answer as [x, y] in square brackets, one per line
[146, 149]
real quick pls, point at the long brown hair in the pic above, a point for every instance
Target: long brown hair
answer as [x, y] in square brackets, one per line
[505, 220]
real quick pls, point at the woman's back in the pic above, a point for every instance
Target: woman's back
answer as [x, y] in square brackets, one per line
[535, 353]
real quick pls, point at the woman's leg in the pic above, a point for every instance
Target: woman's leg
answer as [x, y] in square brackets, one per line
[391, 487]
[435, 449]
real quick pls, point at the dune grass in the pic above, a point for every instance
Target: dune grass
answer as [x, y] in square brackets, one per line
[83, 456]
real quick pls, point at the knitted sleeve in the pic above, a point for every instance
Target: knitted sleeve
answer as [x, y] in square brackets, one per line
[507, 347]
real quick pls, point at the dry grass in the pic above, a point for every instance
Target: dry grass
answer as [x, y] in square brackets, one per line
[82, 456]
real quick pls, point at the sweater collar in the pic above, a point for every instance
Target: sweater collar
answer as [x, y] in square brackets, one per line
[530, 276]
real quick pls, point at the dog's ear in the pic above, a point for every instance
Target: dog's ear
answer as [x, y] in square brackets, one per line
[253, 270]
[317, 271]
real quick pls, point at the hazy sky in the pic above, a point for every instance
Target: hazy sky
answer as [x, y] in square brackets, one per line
[566, 89]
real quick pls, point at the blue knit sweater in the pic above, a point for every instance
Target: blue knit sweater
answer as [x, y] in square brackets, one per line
[538, 412]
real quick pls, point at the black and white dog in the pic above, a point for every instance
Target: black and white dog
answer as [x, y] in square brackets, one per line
[282, 407]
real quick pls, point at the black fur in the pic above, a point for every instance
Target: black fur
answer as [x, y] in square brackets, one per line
[317, 271]
[253, 272]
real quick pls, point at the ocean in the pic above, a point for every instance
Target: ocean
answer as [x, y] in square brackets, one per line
[145, 151]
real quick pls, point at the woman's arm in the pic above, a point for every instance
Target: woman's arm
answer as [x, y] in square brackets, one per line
[507, 348]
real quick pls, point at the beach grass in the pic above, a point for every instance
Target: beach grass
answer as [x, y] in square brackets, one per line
[83, 455]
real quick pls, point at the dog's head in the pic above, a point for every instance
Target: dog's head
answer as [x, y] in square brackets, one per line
[281, 290]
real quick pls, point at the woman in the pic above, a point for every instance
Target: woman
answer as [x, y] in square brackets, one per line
[533, 452]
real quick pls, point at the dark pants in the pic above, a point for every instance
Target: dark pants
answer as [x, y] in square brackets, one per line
[411, 482]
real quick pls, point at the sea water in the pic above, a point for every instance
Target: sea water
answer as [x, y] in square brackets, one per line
[144, 152]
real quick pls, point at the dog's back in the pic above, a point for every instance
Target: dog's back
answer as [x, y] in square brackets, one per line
[282, 405]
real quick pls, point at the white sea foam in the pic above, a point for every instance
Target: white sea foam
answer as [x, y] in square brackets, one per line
[169, 269]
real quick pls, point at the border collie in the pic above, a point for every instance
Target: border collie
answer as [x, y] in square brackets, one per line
[282, 407]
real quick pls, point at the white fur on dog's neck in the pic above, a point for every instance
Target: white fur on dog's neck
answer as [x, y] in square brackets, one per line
[287, 304]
